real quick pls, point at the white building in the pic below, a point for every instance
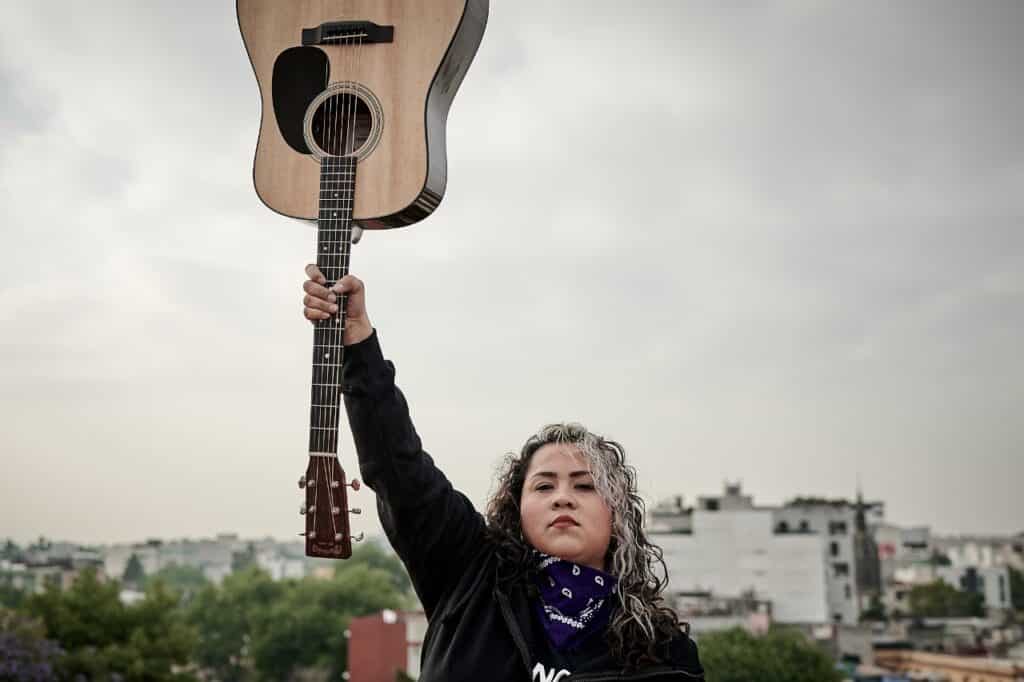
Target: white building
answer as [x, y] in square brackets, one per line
[835, 523]
[800, 556]
[983, 551]
[901, 549]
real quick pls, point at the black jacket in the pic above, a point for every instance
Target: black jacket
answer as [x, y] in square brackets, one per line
[480, 627]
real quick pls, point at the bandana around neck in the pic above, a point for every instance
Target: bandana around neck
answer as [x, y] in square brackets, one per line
[574, 600]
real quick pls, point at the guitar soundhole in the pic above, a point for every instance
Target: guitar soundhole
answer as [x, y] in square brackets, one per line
[342, 124]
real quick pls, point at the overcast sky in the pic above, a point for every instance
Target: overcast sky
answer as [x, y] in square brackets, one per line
[778, 242]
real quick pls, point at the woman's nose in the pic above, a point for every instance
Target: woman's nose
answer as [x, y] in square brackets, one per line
[563, 499]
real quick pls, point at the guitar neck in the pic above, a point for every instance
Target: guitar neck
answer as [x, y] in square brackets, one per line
[334, 244]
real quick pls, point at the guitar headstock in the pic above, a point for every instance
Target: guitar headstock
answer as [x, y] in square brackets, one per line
[326, 508]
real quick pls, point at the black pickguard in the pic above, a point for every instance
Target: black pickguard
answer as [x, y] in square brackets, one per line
[300, 74]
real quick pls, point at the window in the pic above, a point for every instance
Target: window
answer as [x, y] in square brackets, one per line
[841, 569]
[848, 591]
[837, 527]
[782, 527]
[834, 548]
[1002, 590]
[804, 526]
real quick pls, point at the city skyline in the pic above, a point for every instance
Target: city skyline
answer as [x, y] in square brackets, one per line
[778, 243]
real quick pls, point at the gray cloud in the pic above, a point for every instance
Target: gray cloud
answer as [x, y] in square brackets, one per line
[777, 242]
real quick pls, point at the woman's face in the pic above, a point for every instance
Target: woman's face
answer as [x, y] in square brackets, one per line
[561, 512]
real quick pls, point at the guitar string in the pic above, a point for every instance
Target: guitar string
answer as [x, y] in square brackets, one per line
[328, 123]
[349, 213]
[331, 405]
[316, 437]
[337, 335]
[320, 433]
[337, 341]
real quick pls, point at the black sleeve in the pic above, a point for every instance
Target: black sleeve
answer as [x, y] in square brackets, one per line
[684, 655]
[433, 527]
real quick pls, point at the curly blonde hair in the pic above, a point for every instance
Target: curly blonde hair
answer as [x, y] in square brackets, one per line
[642, 626]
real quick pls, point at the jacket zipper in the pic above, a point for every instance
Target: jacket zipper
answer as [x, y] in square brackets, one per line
[513, 627]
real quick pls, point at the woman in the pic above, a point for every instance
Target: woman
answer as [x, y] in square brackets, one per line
[557, 580]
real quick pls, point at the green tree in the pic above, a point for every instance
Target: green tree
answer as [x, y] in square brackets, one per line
[103, 637]
[306, 627]
[226, 617]
[941, 600]
[134, 574]
[253, 628]
[374, 555]
[10, 596]
[1017, 588]
[779, 656]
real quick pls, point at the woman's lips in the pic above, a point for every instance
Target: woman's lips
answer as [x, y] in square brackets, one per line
[564, 522]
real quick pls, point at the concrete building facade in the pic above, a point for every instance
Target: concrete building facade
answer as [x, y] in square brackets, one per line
[801, 556]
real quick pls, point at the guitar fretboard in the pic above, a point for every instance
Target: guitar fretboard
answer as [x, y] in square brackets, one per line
[334, 243]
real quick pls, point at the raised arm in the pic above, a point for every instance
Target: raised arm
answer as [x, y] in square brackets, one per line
[433, 527]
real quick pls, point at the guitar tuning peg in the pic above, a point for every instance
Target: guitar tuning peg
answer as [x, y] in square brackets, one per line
[354, 484]
[337, 537]
[355, 510]
[302, 510]
[311, 534]
[302, 481]
[357, 538]
[334, 484]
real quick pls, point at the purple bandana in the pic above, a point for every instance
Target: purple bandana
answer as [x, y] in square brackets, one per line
[574, 600]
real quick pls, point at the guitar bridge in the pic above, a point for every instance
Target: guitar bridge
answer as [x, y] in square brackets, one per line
[334, 32]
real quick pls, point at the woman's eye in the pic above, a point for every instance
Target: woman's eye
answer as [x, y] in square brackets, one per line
[543, 487]
[585, 486]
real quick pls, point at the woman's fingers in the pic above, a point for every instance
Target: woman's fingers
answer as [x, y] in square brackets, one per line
[352, 287]
[313, 272]
[349, 284]
[319, 303]
[319, 291]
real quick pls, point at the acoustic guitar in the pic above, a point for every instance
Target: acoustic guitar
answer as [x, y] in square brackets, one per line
[355, 97]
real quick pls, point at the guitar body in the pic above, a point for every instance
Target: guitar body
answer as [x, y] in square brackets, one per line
[389, 94]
